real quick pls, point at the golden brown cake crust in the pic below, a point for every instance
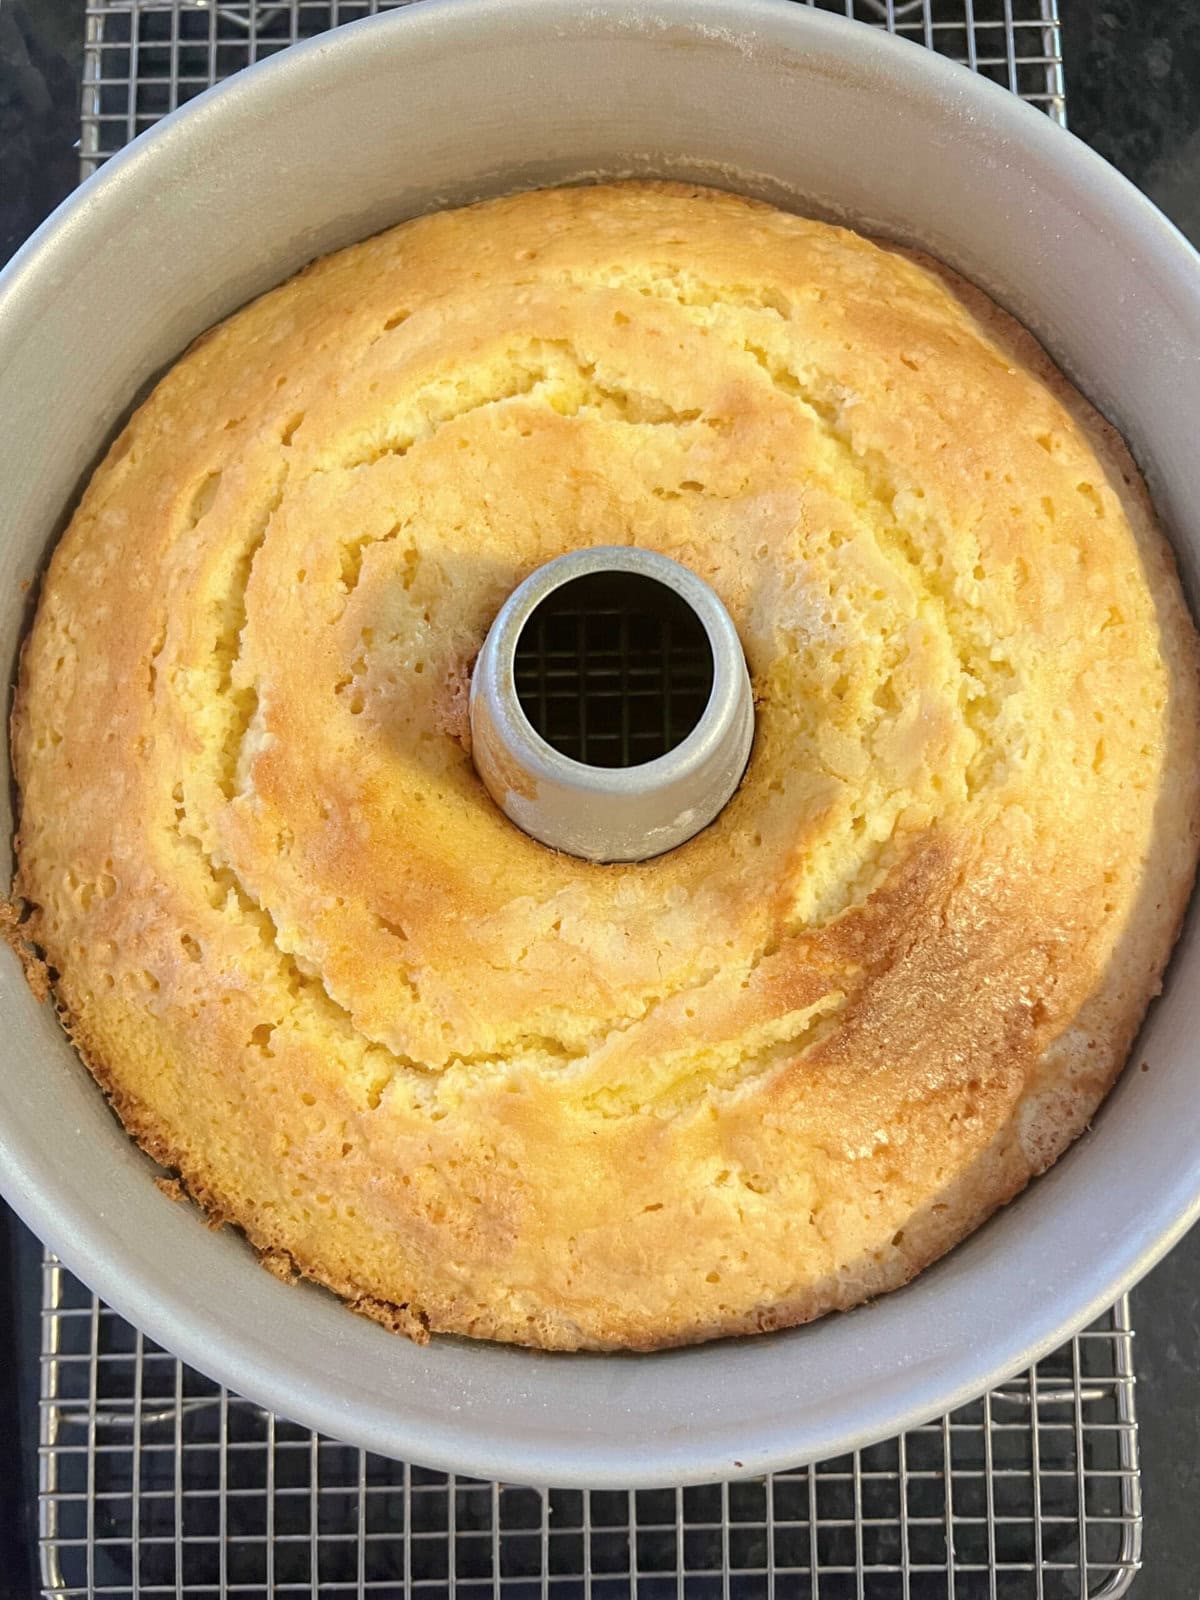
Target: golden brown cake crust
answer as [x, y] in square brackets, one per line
[475, 1086]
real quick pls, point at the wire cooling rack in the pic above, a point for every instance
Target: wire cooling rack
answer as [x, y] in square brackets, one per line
[145, 57]
[613, 669]
[155, 1481]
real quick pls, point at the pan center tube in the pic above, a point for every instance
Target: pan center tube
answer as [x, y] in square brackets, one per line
[611, 710]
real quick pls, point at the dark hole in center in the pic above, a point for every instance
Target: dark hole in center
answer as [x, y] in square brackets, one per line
[613, 669]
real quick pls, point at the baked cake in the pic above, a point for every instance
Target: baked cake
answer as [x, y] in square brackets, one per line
[475, 1086]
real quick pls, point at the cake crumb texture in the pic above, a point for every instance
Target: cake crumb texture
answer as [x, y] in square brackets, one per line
[475, 1086]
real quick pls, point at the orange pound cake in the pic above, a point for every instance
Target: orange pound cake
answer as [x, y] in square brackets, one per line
[475, 1086]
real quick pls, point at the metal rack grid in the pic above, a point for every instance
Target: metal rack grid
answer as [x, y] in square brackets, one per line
[155, 1481]
[613, 672]
[145, 57]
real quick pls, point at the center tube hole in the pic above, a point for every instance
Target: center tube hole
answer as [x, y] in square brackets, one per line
[613, 669]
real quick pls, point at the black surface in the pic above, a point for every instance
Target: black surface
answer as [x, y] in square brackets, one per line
[20, 1254]
[1133, 91]
[41, 55]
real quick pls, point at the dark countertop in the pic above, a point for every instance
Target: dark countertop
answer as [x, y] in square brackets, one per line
[1133, 92]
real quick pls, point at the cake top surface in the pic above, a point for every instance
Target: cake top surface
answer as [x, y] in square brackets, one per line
[477, 1085]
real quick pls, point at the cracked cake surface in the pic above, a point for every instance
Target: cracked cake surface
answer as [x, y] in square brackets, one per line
[479, 1087]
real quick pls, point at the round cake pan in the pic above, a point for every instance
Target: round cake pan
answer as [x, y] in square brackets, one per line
[430, 107]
